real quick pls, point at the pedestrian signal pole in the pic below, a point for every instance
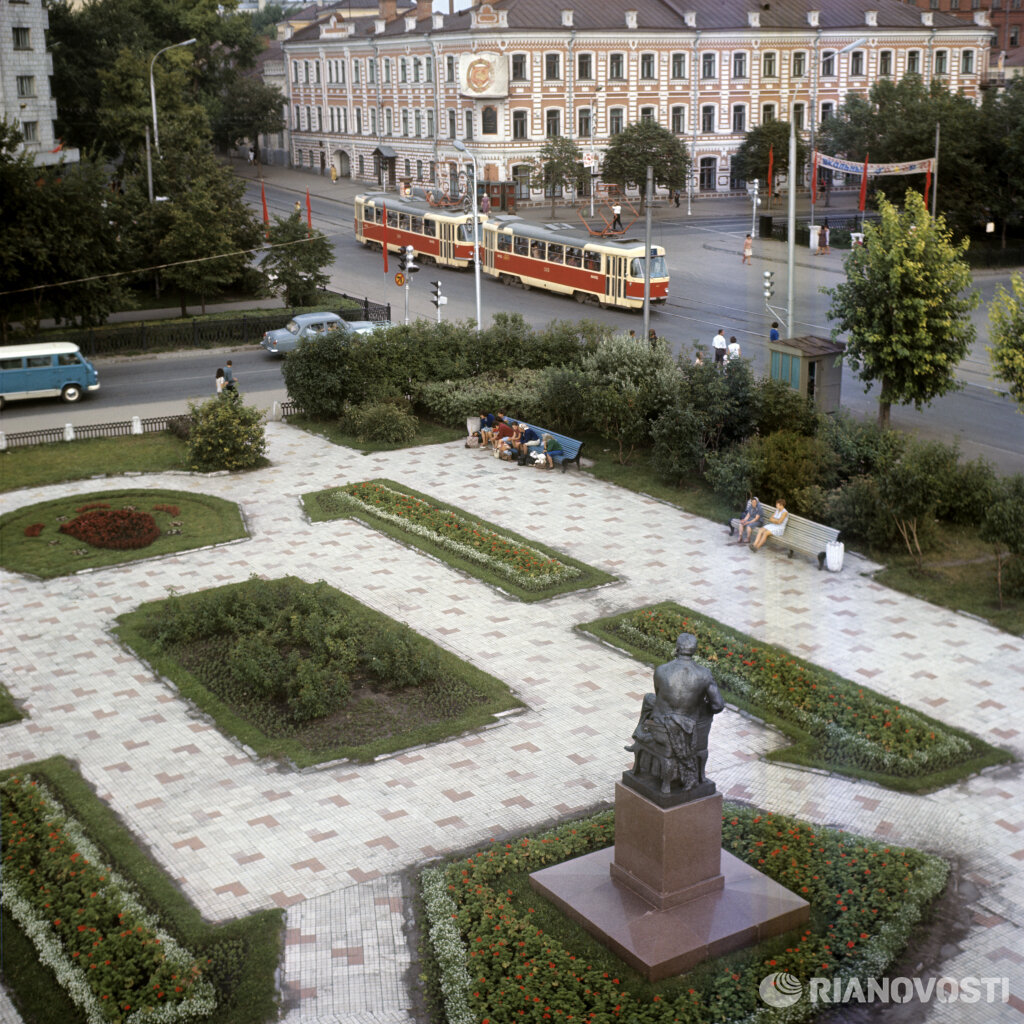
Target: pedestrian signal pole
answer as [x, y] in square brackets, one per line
[438, 300]
[408, 268]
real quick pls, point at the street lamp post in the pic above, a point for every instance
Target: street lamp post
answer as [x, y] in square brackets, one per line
[462, 148]
[152, 88]
[753, 189]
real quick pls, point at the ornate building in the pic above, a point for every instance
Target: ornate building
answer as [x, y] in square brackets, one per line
[382, 97]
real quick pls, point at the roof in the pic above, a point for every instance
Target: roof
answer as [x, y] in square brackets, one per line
[812, 345]
[38, 348]
[564, 234]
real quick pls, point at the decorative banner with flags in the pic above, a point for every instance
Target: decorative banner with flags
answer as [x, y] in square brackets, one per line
[835, 163]
[266, 215]
[384, 234]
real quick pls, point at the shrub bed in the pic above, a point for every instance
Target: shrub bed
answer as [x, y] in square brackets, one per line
[498, 952]
[837, 724]
[111, 957]
[57, 537]
[529, 570]
[303, 671]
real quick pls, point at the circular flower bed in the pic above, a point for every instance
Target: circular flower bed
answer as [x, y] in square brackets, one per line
[123, 529]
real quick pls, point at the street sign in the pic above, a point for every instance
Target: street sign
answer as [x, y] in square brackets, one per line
[400, 279]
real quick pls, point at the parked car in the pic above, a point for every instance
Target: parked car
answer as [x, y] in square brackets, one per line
[313, 325]
[45, 369]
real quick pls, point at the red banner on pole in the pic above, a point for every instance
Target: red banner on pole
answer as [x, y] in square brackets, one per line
[309, 213]
[266, 216]
[771, 164]
[814, 178]
[384, 234]
[864, 185]
[927, 184]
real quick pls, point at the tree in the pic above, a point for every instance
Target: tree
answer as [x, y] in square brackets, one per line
[902, 308]
[297, 260]
[751, 159]
[248, 109]
[224, 433]
[557, 166]
[1002, 154]
[1007, 349]
[643, 144]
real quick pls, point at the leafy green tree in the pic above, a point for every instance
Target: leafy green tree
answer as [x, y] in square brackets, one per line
[1001, 134]
[1003, 528]
[297, 260]
[644, 144]
[902, 306]
[771, 139]
[225, 433]
[1006, 315]
[557, 167]
[248, 108]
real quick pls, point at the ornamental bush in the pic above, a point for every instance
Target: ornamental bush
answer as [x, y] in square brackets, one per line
[381, 421]
[225, 434]
[452, 401]
[122, 529]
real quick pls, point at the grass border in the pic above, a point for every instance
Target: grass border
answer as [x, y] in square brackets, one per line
[230, 723]
[800, 752]
[254, 944]
[330, 430]
[591, 577]
[9, 710]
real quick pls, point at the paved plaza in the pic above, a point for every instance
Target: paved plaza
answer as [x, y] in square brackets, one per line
[333, 846]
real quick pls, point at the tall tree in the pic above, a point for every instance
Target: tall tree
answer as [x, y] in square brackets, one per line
[297, 260]
[248, 109]
[1006, 315]
[767, 140]
[1001, 133]
[644, 144]
[903, 307]
[557, 167]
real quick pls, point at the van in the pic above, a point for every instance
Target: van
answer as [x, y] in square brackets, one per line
[45, 370]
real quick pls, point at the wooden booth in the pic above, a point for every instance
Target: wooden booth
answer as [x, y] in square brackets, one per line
[810, 364]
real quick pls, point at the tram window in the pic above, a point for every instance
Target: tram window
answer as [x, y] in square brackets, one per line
[658, 267]
[556, 253]
[592, 260]
[537, 250]
[403, 222]
[572, 256]
[430, 227]
[465, 232]
[505, 243]
[521, 246]
[392, 220]
[416, 225]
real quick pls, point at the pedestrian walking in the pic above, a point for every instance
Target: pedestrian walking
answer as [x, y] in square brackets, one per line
[230, 380]
[733, 352]
[617, 217]
[720, 345]
[773, 334]
[298, 206]
[698, 359]
[675, 196]
[748, 249]
[219, 381]
[334, 175]
[652, 337]
[485, 203]
[823, 249]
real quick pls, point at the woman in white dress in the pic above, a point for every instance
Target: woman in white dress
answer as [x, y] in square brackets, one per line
[775, 526]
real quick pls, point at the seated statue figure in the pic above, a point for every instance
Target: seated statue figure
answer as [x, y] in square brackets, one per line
[670, 741]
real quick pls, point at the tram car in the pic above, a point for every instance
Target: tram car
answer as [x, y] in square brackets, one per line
[605, 271]
[436, 230]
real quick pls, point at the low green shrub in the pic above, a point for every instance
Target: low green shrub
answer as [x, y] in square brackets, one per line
[453, 401]
[225, 433]
[861, 446]
[383, 421]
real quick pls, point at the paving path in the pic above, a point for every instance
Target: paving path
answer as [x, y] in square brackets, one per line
[331, 846]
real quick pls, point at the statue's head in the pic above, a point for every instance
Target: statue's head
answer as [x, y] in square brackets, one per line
[686, 645]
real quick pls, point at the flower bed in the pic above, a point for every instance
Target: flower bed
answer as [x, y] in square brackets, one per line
[837, 724]
[106, 951]
[498, 952]
[123, 529]
[527, 569]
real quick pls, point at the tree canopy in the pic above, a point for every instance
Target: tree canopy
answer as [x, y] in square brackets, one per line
[557, 166]
[751, 159]
[902, 306]
[643, 144]
[297, 261]
[1006, 315]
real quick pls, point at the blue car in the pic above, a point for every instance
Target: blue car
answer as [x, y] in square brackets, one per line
[314, 325]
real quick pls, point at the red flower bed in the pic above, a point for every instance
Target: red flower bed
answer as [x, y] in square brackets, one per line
[172, 510]
[34, 530]
[118, 528]
[89, 508]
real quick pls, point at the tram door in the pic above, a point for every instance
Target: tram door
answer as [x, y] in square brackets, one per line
[615, 282]
[446, 230]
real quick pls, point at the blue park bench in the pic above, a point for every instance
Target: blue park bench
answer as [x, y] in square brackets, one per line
[570, 446]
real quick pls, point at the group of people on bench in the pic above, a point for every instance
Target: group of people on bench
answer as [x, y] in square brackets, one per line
[513, 440]
[774, 527]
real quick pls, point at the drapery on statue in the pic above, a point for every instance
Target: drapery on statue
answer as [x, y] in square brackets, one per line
[670, 742]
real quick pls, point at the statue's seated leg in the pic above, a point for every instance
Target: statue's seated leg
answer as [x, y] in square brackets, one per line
[666, 775]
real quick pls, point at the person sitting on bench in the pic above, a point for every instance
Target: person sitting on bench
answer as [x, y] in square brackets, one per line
[775, 527]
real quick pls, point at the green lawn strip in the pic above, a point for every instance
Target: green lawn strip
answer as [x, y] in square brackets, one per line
[494, 946]
[483, 696]
[9, 711]
[428, 432]
[204, 520]
[833, 750]
[40, 464]
[330, 504]
[241, 956]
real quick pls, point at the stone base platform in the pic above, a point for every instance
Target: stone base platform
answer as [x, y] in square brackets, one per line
[747, 908]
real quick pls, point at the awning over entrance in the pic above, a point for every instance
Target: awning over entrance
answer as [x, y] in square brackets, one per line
[386, 152]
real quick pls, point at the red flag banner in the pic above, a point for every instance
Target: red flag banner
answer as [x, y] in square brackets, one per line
[384, 234]
[927, 184]
[309, 212]
[771, 165]
[864, 185]
[814, 178]
[266, 215]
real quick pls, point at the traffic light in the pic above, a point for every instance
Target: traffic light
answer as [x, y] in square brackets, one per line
[769, 284]
[438, 300]
[407, 261]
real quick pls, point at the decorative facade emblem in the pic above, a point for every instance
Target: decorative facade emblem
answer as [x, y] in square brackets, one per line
[483, 74]
[480, 75]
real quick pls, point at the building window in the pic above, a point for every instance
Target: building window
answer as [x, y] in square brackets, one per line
[389, 123]
[857, 63]
[678, 65]
[403, 71]
[428, 69]
[1014, 35]
[913, 62]
[341, 72]
[22, 38]
[430, 124]
[316, 71]
[585, 67]
[679, 120]
[708, 172]
[799, 64]
[343, 119]
[371, 70]
[449, 68]
[469, 124]
[362, 165]
[356, 72]
[518, 67]
[954, 5]
[408, 169]
[828, 64]
[359, 120]
[297, 125]
[941, 62]
[798, 116]
[767, 113]
[707, 66]
[827, 110]
[489, 121]
[647, 115]
[885, 63]
[309, 119]
[934, 5]
[419, 170]
[552, 123]
[451, 124]
[295, 72]
[387, 70]
[739, 65]
[617, 66]
[405, 123]
[26, 86]
[520, 124]
[584, 123]
[416, 66]
[552, 67]
[707, 119]
[647, 66]
[30, 130]
[615, 120]
[418, 117]
[770, 65]
[967, 62]
[320, 119]
[739, 119]
[521, 176]
[305, 67]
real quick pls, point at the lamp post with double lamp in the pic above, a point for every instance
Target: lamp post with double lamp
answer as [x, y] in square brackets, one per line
[462, 148]
[152, 88]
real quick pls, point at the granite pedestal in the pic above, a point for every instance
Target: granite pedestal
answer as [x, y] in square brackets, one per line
[667, 896]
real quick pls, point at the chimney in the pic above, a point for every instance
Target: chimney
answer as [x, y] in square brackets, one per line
[424, 9]
[871, 18]
[388, 9]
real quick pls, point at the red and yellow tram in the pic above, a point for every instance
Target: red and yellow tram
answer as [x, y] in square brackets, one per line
[606, 271]
[442, 233]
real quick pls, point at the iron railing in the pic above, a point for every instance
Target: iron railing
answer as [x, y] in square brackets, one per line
[122, 428]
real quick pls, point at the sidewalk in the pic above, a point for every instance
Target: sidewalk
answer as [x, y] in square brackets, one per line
[334, 847]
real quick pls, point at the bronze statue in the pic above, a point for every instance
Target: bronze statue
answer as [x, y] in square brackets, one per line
[670, 741]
